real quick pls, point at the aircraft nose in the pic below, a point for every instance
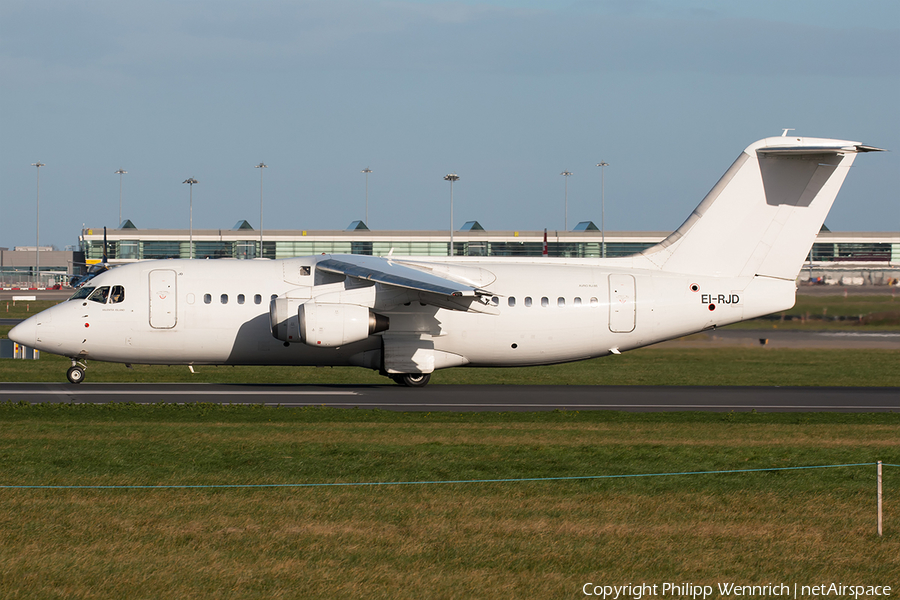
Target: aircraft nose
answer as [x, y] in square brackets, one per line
[25, 332]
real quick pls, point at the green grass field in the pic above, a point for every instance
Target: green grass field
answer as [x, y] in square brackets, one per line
[537, 539]
[524, 539]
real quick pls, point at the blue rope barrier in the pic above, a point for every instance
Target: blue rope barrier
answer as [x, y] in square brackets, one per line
[386, 483]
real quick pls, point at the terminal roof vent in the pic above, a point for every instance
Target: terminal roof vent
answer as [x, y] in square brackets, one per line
[472, 226]
[242, 224]
[586, 226]
[127, 224]
[357, 226]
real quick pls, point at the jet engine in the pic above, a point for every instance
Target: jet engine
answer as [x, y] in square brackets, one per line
[330, 325]
[283, 318]
[323, 324]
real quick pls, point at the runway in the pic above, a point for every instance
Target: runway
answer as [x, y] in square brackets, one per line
[465, 398]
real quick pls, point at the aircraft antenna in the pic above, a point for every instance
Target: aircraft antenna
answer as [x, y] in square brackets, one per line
[785, 130]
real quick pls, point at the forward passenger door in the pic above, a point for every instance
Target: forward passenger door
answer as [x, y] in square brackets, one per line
[163, 309]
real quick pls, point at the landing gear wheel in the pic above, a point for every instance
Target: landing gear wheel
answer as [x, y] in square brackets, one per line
[414, 379]
[75, 374]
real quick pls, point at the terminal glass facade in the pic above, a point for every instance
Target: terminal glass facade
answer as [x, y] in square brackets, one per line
[877, 252]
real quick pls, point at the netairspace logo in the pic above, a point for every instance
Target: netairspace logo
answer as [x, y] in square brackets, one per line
[702, 592]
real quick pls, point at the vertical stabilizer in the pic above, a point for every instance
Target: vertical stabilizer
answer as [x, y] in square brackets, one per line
[763, 216]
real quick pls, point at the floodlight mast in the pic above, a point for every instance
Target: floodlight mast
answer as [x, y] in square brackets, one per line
[261, 166]
[367, 170]
[566, 174]
[120, 172]
[451, 178]
[602, 164]
[191, 181]
[37, 237]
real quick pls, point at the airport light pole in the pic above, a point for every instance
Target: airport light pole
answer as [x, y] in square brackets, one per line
[191, 181]
[37, 236]
[367, 170]
[451, 178]
[602, 164]
[120, 172]
[260, 166]
[566, 174]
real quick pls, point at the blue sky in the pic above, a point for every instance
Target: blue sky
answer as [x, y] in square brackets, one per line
[507, 94]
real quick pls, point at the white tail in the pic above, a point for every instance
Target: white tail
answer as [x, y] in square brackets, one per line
[763, 216]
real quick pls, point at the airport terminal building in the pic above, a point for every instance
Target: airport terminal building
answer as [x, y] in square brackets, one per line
[873, 257]
[836, 257]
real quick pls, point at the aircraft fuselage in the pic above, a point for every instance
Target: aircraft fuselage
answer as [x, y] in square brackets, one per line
[545, 311]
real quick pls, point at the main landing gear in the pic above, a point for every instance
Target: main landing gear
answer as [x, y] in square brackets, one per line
[412, 379]
[75, 374]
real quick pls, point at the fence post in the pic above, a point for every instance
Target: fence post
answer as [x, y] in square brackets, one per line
[879, 498]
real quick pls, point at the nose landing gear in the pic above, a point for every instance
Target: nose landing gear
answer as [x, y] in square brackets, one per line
[75, 374]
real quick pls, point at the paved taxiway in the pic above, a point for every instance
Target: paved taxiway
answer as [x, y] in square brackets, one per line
[465, 398]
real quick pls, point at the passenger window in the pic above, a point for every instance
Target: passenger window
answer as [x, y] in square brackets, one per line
[545, 302]
[257, 299]
[118, 294]
[560, 302]
[207, 298]
[511, 301]
[527, 301]
[100, 295]
[577, 301]
[240, 298]
[224, 298]
[594, 302]
[495, 301]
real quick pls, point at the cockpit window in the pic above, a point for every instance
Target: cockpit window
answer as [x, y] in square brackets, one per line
[100, 295]
[118, 294]
[82, 292]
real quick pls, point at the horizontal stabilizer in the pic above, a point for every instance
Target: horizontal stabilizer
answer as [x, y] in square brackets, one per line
[812, 150]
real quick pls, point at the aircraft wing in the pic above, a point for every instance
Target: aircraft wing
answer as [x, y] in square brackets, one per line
[432, 289]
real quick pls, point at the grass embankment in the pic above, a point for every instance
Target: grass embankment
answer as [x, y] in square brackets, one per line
[22, 309]
[522, 540]
[835, 312]
[647, 366]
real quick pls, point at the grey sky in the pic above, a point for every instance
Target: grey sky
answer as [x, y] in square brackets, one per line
[507, 94]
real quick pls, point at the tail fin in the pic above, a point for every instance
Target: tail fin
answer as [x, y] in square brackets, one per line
[763, 216]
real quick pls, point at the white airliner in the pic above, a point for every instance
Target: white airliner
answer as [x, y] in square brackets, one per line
[736, 257]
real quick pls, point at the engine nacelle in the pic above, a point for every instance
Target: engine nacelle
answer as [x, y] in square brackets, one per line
[283, 318]
[330, 325]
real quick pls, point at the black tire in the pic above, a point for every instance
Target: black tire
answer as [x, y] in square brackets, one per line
[75, 374]
[415, 379]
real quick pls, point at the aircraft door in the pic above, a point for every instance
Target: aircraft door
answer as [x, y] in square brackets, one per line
[621, 303]
[162, 299]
